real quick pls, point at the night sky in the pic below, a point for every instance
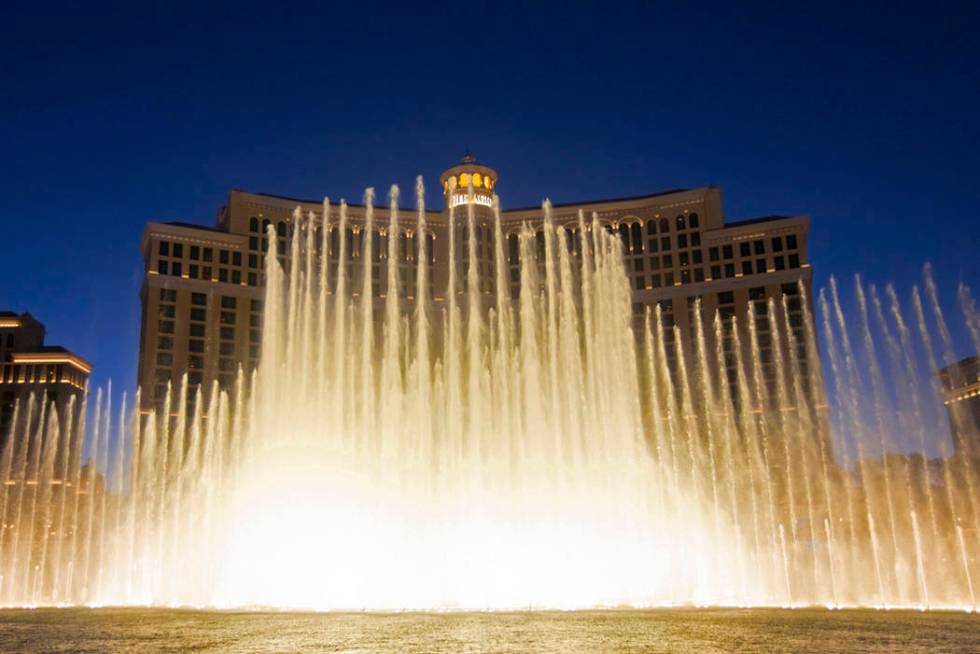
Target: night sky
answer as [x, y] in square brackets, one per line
[864, 117]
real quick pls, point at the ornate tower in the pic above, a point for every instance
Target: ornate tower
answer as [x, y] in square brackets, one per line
[458, 181]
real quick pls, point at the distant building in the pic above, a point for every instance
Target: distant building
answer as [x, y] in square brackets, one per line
[29, 367]
[961, 395]
[202, 291]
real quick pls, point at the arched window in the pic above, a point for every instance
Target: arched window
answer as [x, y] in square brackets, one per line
[664, 226]
[281, 229]
[636, 232]
[651, 227]
[681, 222]
[624, 236]
[694, 221]
[253, 224]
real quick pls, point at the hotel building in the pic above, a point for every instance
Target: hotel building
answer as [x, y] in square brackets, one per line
[29, 367]
[961, 395]
[202, 291]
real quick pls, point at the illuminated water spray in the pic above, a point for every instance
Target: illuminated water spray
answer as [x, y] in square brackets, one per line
[467, 449]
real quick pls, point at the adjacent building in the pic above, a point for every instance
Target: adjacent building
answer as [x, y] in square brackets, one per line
[202, 291]
[29, 367]
[961, 395]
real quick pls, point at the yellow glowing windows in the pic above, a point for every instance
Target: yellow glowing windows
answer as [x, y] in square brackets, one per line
[464, 180]
[477, 180]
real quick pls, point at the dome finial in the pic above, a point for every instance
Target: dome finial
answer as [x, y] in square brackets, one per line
[468, 158]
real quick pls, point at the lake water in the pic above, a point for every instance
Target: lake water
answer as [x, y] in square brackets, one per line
[677, 631]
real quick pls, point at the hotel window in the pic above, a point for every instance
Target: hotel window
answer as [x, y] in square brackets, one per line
[195, 361]
[195, 346]
[198, 313]
[685, 277]
[726, 297]
[208, 254]
[206, 272]
[255, 305]
[743, 249]
[196, 330]
[168, 295]
[681, 222]
[253, 242]
[162, 267]
[759, 247]
[236, 258]
[638, 264]
[664, 225]
[166, 326]
[669, 279]
[729, 270]
[665, 243]
[716, 272]
[178, 250]
[652, 245]
[253, 224]
[699, 274]
[791, 242]
[254, 320]
[194, 379]
[228, 302]
[777, 244]
[760, 266]
[695, 239]
[168, 310]
[195, 252]
[726, 252]
[165, 343]
[682, 240]
[164, 248]
[227, 317]
[693, 221]
[281, 229]
[199, 299]
[668, 261]
[698, 256]
[655, 281]
[791, 289]
[236, 276]
[654, 263]
[222, 274]
[746, 267]
[194, 271]
[757, 293]
[227, 333]
[253, 279]
[165, 359]
[779, 263]
[639, 282]
[162, 375]
[684, 258]
[794, 260]
[255, 336]
[176, 269]
[226, 365]
[253, 261]
[651, 227]
[636, 235]
[226, 349]
[713, 254]
[223, 257]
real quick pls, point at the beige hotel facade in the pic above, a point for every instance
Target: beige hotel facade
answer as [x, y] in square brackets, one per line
[202, 295]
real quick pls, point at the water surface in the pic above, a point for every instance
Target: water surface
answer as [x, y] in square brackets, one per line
[674, 631]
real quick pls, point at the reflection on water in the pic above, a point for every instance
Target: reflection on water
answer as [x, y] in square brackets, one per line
[677, 631]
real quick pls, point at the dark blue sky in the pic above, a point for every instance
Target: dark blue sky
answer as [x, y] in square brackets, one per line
[864, 117]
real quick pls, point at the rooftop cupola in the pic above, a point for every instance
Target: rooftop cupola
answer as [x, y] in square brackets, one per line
[468, 181]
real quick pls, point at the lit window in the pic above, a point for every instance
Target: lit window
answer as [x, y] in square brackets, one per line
[464, 180]
[477, 180]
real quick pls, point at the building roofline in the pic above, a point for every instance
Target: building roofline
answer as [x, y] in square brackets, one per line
[631, 198]
[353, 205]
